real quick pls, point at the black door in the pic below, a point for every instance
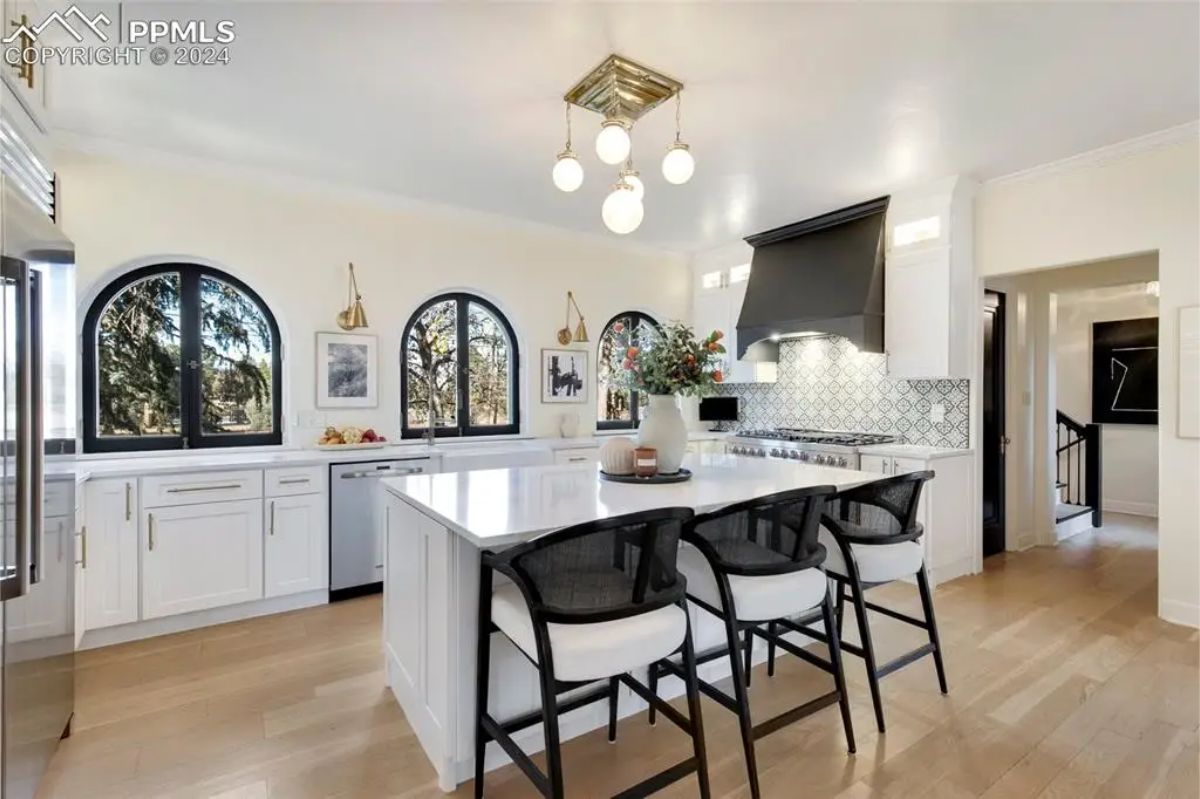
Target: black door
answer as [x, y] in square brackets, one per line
[994, 439]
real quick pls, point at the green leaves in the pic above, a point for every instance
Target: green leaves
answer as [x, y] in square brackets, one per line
[667, 360]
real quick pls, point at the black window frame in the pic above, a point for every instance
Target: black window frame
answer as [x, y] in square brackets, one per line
[464, 429]
[633, 320]
[191, 435]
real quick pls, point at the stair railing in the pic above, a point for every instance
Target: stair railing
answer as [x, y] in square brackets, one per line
[1078, 456]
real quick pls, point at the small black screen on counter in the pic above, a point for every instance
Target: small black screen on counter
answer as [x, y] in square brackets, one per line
[719, 409]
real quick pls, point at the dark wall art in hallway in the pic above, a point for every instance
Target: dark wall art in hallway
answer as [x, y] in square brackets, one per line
[1125, 372]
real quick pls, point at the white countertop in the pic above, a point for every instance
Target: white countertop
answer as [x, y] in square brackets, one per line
[267, 457]
[918, 451]
[496, 507]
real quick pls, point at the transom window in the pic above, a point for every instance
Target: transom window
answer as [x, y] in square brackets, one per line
[461, 353]
[620, 408]
[176, 356]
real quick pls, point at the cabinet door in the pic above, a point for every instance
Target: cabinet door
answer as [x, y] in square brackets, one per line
[880, 464]
[908, 465]
[296, 545]
[577, 456]
[917, 322]
[45, 612]
[111, 585]
[80, 594]
[29, 83]
[196, 557]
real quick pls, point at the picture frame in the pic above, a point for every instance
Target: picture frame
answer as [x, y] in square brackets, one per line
[565, 376]
[1125, 371]
[347, 370]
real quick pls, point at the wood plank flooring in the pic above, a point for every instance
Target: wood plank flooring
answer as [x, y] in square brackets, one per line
[1062, 684]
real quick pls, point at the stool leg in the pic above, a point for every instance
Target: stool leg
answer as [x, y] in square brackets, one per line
[482, 668]
[549, 713]
[841, 605]
[864, 634]
[742, 699]
[613, 684]
[839, 676]
[692, 687]
[772, 631]
[748, 653]
[652, 684]
[927, 605]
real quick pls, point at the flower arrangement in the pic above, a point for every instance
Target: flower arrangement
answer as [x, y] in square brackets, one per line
[666, 360]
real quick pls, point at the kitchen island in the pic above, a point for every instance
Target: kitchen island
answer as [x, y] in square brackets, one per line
[435, 527]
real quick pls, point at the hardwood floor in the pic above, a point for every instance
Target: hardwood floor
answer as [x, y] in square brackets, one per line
[1062, 684]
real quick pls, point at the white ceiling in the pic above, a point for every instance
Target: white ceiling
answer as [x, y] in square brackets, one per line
[791, 109]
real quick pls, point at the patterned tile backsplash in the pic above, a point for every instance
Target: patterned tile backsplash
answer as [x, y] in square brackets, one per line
[825, 383]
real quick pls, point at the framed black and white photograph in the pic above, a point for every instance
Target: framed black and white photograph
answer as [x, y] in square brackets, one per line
[347, 371]
[564, 375]
[1125, 372]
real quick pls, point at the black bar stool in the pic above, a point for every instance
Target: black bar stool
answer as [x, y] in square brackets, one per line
[588, 604]
[873, 538]
[756, 563]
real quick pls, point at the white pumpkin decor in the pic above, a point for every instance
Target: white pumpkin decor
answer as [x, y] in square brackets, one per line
[616, 456]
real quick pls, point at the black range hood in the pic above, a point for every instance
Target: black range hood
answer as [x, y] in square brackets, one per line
[822, 276]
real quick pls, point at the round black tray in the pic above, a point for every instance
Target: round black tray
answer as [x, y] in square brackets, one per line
[658, 479]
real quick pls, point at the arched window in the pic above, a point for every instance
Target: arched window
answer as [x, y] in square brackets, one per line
[619, 408]
[176, 356]
[469, 350]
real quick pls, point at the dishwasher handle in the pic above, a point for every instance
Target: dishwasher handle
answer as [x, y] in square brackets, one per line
[388, 472]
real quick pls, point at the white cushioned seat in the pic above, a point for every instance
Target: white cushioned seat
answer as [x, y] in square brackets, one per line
[593, 651]
[758, 598]
[877, 563]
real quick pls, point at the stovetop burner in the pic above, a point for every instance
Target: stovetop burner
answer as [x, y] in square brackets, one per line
[837, 438]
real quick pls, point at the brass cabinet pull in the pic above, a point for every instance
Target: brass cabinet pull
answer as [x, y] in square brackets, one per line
[189, 489]
[128, 501]
[150, 527]
[272, 526]
[83, 547]
[293, 481]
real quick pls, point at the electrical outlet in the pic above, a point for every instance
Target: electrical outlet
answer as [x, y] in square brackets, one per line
[937, 413]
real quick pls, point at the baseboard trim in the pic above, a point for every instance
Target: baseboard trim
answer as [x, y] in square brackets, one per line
[1132, 508]
[1182, 613]
[136, 631]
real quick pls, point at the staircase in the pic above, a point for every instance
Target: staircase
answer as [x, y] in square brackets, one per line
[1079, 478]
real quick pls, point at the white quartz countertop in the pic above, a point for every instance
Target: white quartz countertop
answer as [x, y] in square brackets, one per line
[913, 451]
[267, 457]
[497, 507]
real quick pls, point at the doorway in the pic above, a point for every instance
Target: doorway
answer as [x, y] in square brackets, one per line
[994, 438]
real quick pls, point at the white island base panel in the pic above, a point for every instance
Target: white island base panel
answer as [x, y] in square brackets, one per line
[431, 588]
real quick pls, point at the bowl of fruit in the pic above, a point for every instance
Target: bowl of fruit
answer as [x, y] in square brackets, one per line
[350, 438]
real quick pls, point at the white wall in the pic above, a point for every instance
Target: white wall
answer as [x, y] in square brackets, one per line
[1143, 198]
[1129, 451]
[291, 243]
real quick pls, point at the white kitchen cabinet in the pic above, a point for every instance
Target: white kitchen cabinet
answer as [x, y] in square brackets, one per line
[45, 611]
[718, 309]
[577, 456]
[930, 297]
[196, 557]
[944, 509]
[28, 83]
[297, 540]
[80, 594]
[111, 585]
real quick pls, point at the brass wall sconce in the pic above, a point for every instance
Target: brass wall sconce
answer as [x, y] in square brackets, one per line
[354, 316]
[564, 336]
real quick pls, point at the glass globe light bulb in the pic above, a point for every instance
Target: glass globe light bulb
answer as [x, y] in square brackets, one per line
[622, 212]
[568, 172]
[678, 164]
[613, 142]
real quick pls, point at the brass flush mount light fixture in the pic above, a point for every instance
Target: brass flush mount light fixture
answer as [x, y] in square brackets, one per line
[354, 316]
[623, 91]
[580, 336]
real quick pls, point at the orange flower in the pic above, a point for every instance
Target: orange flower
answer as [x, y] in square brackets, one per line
[717, 335]
[631, 353]
[712, 346]
[718, 376]
[690, 358]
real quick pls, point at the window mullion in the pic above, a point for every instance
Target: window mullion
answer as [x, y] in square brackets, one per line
[189, 350]
[463, 361]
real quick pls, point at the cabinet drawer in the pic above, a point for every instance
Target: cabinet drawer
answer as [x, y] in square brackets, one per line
[285, 482]
[568, 456]
[56, 497]
[197, 487]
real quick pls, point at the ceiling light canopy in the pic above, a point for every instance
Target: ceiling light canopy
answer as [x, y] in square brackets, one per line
[623, 91]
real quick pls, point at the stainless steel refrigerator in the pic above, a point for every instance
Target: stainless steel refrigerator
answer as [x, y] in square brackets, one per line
[37, 561]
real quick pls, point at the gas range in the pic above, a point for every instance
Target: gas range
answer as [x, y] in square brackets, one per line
[822, 447]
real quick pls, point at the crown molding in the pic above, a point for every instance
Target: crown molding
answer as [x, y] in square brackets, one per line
[1104, 155]
[142, 156]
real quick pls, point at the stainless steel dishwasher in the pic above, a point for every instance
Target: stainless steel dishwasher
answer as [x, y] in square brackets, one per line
[355, 511]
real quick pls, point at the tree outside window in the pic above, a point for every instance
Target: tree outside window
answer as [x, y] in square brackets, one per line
[620, 408]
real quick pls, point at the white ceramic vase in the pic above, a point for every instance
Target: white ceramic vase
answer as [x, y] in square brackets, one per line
[664, 430]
